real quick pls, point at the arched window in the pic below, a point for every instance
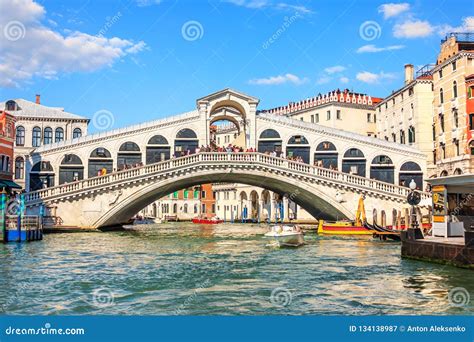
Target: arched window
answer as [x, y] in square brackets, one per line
[195, 208]
[402, 136]
[411, 171]
[455, 89]
[186, 142]
[59, 134]
[157, 149]
[20, 136]
[457, 171]
[71, 169]
[298, 147]
[354, 162]
[441, 97]
[19, 168]
[471, 147]
[129, 155]
[411, 135]
[11, 105]
[443, 173]
[158, 140]
[36, 137]
[269, 141]
[185, 208]
[382, 169]
[326, 155]
[76, 133]
[48, 135]
[175, 208]
[41, 175]
[186, 133]
[100, 160]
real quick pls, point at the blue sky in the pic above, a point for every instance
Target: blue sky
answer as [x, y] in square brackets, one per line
[146, 59]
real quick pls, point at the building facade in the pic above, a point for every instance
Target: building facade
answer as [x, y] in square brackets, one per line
[452, 126]
[38, 125]
[406, 116]
[7, 138]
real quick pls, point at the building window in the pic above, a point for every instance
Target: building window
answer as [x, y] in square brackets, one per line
[11, 105]
[316, 116]
[375, 118]
[471, 121]
[434, 132]
[20, 136]
[441, 97]
[19, 168]
[203, 194]
[394, 137]
[454, 65]
[328, 115]
[455, 118]
[470, 92]
[203, 208]
[48, 135]
[195, 208]
[213, 208]
[185, 208]
[186, 194]
[440, 73]
[369, 117]
[471, 146]
[312, 118]
[36, 141]
[338, 114]
[59, 134]
[456, 147]
[301, 119]
[443, 149]
[402, 136]
[434, 156]
[411, 135]
[175, 194]
[77, 133]
[441, 122]
[455, 89]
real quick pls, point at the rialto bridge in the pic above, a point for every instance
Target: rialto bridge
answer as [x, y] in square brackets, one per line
[64, 175]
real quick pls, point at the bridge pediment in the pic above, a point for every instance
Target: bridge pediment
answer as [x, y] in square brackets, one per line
[228, 95]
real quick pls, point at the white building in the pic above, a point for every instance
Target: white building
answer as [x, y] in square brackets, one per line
[38, 125]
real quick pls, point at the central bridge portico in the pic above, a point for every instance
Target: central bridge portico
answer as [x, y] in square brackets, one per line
[69, 169]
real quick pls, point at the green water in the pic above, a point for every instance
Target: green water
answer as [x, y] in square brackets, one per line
[222, 270]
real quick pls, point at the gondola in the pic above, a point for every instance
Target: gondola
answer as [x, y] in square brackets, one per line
[383, 232]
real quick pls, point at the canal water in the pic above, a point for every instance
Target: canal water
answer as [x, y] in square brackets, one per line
[186, 269]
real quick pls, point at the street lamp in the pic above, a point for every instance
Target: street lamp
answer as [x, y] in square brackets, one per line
[414, 199]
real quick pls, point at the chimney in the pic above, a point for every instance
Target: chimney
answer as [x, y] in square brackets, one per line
[408, 73]
[38, 99]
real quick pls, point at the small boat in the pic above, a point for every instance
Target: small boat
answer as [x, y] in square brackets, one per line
[138, 221]
[286, 236]
[207, 220]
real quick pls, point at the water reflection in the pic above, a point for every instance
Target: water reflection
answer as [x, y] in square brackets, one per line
[224, 269]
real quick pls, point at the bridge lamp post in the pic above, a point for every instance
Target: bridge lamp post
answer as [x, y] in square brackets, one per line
[414, 198]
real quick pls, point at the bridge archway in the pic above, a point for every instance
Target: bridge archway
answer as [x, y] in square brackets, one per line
[41, 175]
[186, 140]
[298, 146]
[354, 162]
[100, 159]
[129, 154]
[408, 171]
[269, 141]
[326, 155]
[157, 149]
[314, 200]
[71, 169]
[382, 169]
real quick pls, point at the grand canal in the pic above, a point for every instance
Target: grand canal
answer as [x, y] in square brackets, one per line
[224, 270]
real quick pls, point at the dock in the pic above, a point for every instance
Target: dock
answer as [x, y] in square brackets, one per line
[455, 251]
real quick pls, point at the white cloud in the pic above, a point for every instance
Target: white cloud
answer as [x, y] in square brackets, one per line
[145, 3]
[413, 29]
[344, 80]
[466, 26]
[335, 69]
[324, 79]
[392, 10]
[39, 51]
[371, 78]
[280, 79]
[372, 48]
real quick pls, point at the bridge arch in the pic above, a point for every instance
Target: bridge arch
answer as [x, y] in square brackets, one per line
[326, 155]
[408, 171]
[129, 154]
[100, 159]
[354, 162]
[185, 140]
[382, 169]
[298, 146]
[157, 149]
[269, 140]
[41, 175]
[71, 169]
[315, 200]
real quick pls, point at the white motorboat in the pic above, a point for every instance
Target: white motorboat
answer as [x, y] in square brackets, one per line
[286, 236]
[138, 221]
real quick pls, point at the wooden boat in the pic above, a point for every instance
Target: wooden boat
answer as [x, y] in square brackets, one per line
[207, 220]
[286, 236]
[342, 228]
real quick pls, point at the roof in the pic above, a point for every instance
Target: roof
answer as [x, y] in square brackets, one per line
[28, 109]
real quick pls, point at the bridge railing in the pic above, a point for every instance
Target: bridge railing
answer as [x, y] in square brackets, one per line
[227, 158]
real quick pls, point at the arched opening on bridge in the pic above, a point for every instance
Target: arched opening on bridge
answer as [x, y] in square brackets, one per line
[382, 169]
[326, 155]
[354, 162]
[270, 141]
[244, 207]
[185, 143]
[41, 176]
[100, 162]
[224, 132]
[298, 146]
[254, 209]
[157, 149]
[266, 206]
[71, 169]
[129, 155]
[408, 171]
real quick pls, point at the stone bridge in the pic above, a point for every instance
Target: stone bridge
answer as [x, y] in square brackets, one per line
[113, 198]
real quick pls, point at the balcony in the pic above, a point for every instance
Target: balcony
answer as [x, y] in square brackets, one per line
[454, 103]
[442, 138]
[440, 110]
[455, 134]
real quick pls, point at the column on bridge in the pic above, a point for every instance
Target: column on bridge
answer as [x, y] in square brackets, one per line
[285, 209]
[272, 213]
[260, 210]
[249, 209]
